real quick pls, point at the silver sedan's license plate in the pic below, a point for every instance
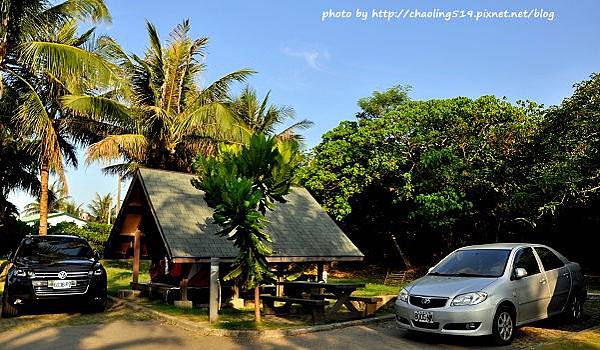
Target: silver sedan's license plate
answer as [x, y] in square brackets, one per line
[65, 284]
[423, 316]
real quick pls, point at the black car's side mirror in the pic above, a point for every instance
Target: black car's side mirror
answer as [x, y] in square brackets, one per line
[96, 255]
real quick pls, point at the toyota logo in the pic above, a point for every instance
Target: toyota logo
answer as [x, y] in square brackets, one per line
[425, 301]
[62, 275]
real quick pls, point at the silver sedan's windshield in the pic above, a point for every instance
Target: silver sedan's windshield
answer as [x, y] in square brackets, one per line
[473, 263]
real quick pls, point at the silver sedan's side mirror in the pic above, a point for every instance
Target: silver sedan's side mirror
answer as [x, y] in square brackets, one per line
[520, 273]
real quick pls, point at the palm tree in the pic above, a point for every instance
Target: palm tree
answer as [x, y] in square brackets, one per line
[102, 208]
[72, 208]
[43, 58]
[258, 116]
[57, 200]
[161, 117]
[24, 25]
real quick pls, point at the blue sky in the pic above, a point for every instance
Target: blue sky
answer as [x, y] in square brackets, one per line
[321, 67]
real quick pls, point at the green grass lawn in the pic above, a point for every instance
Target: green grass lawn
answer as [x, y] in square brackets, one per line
[372, 287]
[118, 274]
[119, 277]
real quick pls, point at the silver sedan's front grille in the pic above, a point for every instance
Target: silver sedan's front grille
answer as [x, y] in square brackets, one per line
[425, 302]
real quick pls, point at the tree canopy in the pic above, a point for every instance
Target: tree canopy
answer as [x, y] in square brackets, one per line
[441, 173]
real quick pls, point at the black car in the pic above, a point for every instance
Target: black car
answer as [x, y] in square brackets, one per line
[54, 268]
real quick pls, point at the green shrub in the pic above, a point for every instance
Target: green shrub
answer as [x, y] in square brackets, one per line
[95, 233]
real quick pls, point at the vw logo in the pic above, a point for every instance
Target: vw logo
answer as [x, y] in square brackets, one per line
[62, 275]
[425, 301]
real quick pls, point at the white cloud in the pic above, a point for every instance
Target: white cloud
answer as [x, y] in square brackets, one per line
[313, 58]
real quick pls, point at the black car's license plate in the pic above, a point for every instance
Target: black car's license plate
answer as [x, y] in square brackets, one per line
[62, 284]
[423, 316]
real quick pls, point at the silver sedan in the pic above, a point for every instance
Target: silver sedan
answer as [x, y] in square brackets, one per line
[491, 289]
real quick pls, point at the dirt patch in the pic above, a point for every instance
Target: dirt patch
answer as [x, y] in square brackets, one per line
[556, 329]
[57, 316]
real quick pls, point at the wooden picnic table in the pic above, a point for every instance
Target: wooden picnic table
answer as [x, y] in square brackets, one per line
[339, 291]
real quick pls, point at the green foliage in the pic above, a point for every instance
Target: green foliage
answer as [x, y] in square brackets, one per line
[18, 164]
[11, 233]
[95, 233]
[569, 173]
[241, 185]
[258, 116]
[436, 173]
[159, 116]
[380, 103]
[102, 209]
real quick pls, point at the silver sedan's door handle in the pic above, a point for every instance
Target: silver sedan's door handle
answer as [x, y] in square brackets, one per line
[543, 281]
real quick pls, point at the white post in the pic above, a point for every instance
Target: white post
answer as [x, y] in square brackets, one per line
[213, 305]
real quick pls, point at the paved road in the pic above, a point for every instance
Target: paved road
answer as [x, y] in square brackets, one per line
[153, 335]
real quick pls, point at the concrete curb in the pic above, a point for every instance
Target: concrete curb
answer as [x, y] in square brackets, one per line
[275, 333]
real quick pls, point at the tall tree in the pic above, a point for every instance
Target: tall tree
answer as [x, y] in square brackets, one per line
[258, 116]
[241, 185]
[102, 209]
[57, 200]
[24, 25]
[161, 117]
[43, 57]
[434, 174]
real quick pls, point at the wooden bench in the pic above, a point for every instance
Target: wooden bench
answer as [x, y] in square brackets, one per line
[162, 291]
[316, 307]
[367, 305]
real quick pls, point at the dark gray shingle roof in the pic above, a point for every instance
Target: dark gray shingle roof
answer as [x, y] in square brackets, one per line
[299, 228]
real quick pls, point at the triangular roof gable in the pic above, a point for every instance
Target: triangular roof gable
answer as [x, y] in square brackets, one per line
[300, 229]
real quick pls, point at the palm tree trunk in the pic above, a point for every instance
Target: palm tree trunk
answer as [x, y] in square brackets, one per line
[257, 304]
[44, 175]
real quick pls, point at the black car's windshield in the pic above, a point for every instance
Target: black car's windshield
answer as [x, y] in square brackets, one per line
[473, 263]
[54, 248]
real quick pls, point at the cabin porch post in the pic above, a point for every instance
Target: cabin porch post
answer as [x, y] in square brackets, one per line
[320, 269]
[136, 256]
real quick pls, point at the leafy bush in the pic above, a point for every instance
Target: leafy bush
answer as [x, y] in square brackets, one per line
[95, 233]
[11, 233]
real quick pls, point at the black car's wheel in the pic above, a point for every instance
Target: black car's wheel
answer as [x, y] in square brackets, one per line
[97, 306]
[503, 328]
[8, 310]
[574, 310]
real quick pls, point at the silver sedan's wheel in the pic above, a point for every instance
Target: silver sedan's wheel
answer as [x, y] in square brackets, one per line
[503, 326]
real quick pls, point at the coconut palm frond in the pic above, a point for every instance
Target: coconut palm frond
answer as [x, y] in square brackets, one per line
[218, 90]
[94, 10]
[65, 60]
[98, 108]
[125, 170]
[113, 147]
[33, 119]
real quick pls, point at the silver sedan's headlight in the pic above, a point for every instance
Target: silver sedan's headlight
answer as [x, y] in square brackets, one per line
[403, 295]
[469, 299]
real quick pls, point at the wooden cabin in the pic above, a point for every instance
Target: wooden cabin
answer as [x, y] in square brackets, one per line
[165, 219]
